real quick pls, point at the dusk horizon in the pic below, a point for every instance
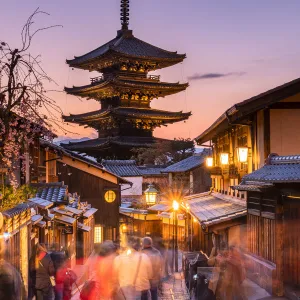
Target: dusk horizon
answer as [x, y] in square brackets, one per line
[231, 55]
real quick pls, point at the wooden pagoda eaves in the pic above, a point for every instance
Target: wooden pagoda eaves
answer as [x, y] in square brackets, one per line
[127, 48]
[115, 87]
[128, 113]
[92, 147]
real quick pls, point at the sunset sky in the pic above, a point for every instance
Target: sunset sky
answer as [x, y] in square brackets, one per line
[235, 49]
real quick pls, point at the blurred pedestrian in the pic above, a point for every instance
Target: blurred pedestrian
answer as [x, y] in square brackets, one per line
[104, 277]
[11, 285]
[42, 273]
[157, 263]
[65, 278]
[133, 270]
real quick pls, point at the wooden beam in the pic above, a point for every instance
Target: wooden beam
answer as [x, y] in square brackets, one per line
[266, 133]
[286, 105]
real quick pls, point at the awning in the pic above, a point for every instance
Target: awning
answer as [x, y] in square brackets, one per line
[73, 210]
[65, 220]
[63, 211]
[160, 207]
[41, 203]
[165, 215]
[90, 212]
[36, 218]
[83, 227]
[41, 224]
[212, 208]
[124, 210]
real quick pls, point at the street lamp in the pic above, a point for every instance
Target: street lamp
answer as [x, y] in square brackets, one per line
[175, 243]
[242, 154]
[224, 157]
[151, 193]
[209, 162]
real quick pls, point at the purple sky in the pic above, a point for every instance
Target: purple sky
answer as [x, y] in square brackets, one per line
[248, 46]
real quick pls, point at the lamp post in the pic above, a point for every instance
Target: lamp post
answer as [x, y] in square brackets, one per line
[175, 243]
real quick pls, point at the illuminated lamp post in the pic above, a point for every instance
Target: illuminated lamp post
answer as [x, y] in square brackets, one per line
[151, 195]
[175, 238]
[242, 154]
[224, 158]
[209, 162]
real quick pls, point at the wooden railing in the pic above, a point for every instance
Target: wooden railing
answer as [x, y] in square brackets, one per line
[96, 79]
[154, 77]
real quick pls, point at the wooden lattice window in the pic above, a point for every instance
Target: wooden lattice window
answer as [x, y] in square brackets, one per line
[242, 141]
[98, 233]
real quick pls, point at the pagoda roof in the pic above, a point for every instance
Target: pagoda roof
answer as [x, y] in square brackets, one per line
[127, 46]
[115, 84]
[128, 112]
[104, 143]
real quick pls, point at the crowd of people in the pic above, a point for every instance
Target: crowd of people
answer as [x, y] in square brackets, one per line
[116, 273]
[134, 271]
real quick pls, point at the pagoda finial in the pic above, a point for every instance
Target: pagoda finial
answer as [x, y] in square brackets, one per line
[125, 14]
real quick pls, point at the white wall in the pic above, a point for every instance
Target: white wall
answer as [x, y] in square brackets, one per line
[136, 189]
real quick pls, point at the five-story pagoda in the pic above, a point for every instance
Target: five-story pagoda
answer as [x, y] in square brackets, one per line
[125, 90]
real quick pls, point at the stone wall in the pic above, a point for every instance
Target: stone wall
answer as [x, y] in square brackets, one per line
[261, 272]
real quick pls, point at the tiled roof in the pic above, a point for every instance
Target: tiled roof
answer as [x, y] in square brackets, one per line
[279, 169]
[130, 112]
[126, 168]
[163, 207]
[52, 192]
[189, 163]
[127, 83]
[211, 209]
[116, 141]
[18, 209]
[72, 154]
[126, 44]
[152, 170]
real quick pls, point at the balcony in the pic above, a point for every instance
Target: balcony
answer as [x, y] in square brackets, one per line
[154, 77]
[95, 80]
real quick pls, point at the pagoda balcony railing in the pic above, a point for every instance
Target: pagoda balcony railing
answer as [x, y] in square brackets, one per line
[154, 77]
[97, 79]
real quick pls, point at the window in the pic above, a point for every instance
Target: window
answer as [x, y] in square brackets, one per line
[98, 234]
[110, 196]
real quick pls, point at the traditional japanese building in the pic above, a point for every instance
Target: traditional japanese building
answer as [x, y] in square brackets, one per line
[125, 90]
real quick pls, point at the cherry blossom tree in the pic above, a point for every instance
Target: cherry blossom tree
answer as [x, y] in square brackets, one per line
[26, 110]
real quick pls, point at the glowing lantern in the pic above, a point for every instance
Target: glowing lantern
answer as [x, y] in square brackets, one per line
[209, 162]
[242, 153]
[151, 193]
[224, 157]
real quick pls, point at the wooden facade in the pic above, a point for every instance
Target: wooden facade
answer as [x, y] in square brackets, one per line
[17, 236]
[92, 189]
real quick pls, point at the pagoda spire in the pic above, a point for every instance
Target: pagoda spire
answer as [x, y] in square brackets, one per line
[125, 14]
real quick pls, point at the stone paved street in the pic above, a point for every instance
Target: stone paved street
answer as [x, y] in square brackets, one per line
[174, 288]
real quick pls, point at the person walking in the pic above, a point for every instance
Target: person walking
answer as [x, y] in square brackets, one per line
[104, 277]
[133, 272]
[157, 263]
[65, 278]
[42, 273]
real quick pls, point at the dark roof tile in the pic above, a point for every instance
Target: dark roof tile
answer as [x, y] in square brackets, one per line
[126, 44]
[18, 209]
[189, 163]
[127, 168]
[209, 209]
